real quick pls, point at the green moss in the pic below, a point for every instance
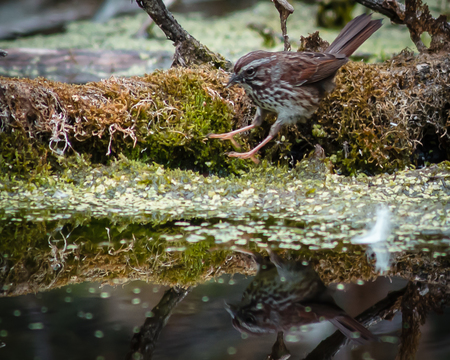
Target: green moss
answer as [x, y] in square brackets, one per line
[21, 156]
[174, 128]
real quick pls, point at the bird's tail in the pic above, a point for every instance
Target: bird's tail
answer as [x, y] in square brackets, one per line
[353, 35]
[352, 329]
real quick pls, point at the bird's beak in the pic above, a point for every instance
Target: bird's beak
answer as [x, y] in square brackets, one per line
[235, 78]
[231, 309]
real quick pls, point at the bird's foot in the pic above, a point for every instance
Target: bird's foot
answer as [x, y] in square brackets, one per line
[247, 155]
[226, 136]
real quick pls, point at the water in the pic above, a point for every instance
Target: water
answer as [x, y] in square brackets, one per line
[140, 231]
[90, 321]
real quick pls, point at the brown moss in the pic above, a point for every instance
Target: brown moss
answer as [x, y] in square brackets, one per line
[361, 114]
[378, 114]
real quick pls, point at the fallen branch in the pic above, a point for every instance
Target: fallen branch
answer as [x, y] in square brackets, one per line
[285, 9]
[80, 66]
[188, 50]
[417, 17]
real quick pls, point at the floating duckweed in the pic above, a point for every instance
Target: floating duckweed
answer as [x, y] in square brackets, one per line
[98, 334]
[292, 338]
[136, 301]
[390, 339]
[366, 356]
[105, 295]
[36, 326]
[305, 328]
[146, 225]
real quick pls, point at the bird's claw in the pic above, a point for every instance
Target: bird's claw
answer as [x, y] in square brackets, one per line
[247, 155]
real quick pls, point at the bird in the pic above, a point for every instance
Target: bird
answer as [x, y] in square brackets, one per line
[287, 294]
[292, 84]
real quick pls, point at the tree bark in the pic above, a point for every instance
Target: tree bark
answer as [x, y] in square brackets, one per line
[188, 50]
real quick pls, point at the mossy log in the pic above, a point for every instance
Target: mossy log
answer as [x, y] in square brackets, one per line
[373, 121]
[163, 117]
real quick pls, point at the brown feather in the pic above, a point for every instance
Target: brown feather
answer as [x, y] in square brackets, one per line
[353, 35]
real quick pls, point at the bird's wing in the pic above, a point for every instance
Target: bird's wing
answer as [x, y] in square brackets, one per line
[310, 67]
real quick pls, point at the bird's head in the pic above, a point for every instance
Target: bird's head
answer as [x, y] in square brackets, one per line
[251, 69]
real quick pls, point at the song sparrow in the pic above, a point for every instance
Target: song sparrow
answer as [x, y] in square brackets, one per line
[284, 295]
[291, 84]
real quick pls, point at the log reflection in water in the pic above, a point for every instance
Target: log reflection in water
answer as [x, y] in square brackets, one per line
[143, 343]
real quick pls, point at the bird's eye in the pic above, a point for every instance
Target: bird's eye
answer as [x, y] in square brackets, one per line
[250, 71]
[249, 319]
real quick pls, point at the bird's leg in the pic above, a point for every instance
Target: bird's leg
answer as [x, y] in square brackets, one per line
[257, 120]
[229, 135]
[251, 154]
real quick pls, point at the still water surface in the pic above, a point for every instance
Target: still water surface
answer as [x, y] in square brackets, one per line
[89, 321]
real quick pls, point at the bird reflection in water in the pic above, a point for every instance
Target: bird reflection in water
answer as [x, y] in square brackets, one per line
[286, 295]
